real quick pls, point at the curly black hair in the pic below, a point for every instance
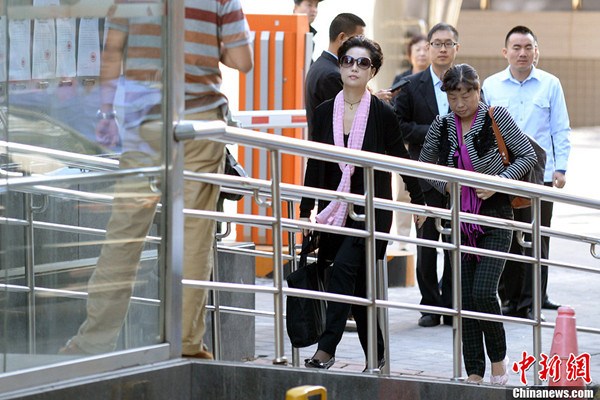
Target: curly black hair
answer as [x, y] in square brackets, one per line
[370, 45]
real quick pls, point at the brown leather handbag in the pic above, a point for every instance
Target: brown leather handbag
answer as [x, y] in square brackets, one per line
[534, 175]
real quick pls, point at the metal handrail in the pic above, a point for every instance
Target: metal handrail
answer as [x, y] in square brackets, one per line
[277, 145]
[218, 131]
[293, 193]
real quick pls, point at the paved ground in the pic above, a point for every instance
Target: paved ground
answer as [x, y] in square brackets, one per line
[427, 352]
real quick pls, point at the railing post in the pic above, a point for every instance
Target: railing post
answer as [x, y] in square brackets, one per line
[371, 265]
[215, 296]
[382, 288]
[293, 266]
[30, 274]
[456, 280]
[172, 219]
[277, 256]
[536, 218]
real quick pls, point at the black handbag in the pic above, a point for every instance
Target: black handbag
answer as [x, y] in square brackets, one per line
[305, 318]
[535, 174]
[233, 168]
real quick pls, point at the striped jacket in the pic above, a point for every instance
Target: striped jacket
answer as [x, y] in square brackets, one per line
[481, 145]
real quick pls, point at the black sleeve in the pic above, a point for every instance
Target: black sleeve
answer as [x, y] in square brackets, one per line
[314, 167]
[395, 147]
[412, 132]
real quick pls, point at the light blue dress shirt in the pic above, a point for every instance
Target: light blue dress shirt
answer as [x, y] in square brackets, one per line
[538, 107]
[440, 97]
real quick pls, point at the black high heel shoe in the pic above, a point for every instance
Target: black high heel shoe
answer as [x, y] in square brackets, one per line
[314, 363]
[380, 365]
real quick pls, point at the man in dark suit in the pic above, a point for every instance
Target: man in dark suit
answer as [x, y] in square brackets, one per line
[417, 105]
[323, 80]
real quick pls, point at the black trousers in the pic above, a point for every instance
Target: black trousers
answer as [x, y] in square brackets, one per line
[433, 292]
[348, 277]
[517, 279]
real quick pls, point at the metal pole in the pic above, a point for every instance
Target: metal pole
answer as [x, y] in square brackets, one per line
[371, 269]
[29, 273]
[214, 295]
[456, 280]
[293, 266]
[172, 219]
[277, 256]
[536, 214]
[382, 269]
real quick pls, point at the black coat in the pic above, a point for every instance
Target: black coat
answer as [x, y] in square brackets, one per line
[323, 82]
[416, 108]
[383, 136]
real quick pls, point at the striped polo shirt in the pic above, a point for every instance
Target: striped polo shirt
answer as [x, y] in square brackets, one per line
[208, 23]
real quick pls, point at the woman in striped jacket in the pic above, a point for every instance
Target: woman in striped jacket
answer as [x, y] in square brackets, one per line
[464, 139]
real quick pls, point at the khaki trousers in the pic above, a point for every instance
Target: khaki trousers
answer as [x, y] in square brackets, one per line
[111, 284]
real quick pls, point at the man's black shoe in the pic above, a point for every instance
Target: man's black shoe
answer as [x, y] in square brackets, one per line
[550, 305]
[429, 320]
[447, 320]
[510, 310]
[530, 316]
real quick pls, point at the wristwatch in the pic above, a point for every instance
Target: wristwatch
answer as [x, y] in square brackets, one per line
[112, 114]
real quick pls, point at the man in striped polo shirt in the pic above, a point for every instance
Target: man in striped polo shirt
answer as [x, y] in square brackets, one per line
[215, 31]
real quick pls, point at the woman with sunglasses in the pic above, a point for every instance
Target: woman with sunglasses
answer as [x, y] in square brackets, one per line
[357, 120]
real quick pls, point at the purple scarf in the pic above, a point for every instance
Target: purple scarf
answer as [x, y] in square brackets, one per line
[337, 211]
[469, 202]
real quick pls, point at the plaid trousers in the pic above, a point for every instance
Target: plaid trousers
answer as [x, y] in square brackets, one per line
[480, 292]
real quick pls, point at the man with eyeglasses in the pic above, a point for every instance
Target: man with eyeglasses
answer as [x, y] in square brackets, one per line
[536, 102]
[417, 105]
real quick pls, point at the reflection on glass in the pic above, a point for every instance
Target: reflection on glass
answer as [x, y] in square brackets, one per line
[78, 262]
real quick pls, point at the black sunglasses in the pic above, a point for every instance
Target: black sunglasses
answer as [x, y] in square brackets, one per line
[362, 62]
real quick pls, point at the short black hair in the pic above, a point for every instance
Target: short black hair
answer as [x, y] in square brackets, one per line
[461, 74]
[370, 45]
[344, 23]
[522, 30]
[442, 26]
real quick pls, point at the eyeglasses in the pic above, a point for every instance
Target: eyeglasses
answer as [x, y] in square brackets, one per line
[448, 45]
[362, 62]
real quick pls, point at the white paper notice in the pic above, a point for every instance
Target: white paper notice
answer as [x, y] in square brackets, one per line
[65, 47]
[44, 49]
[19, 33]
[88, 58]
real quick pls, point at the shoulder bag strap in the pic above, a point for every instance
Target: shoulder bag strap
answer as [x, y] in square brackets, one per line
[501, 145]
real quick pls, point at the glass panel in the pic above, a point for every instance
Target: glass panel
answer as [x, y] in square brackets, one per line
[80, 259]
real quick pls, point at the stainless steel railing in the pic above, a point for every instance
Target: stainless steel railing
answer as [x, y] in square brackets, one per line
[277, 145]
[274, 192]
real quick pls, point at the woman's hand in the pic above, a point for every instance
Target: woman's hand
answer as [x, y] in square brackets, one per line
[484, 194]
[305, 232]
[419, 220]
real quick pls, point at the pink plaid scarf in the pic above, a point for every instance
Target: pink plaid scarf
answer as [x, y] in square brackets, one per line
[337, 211]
